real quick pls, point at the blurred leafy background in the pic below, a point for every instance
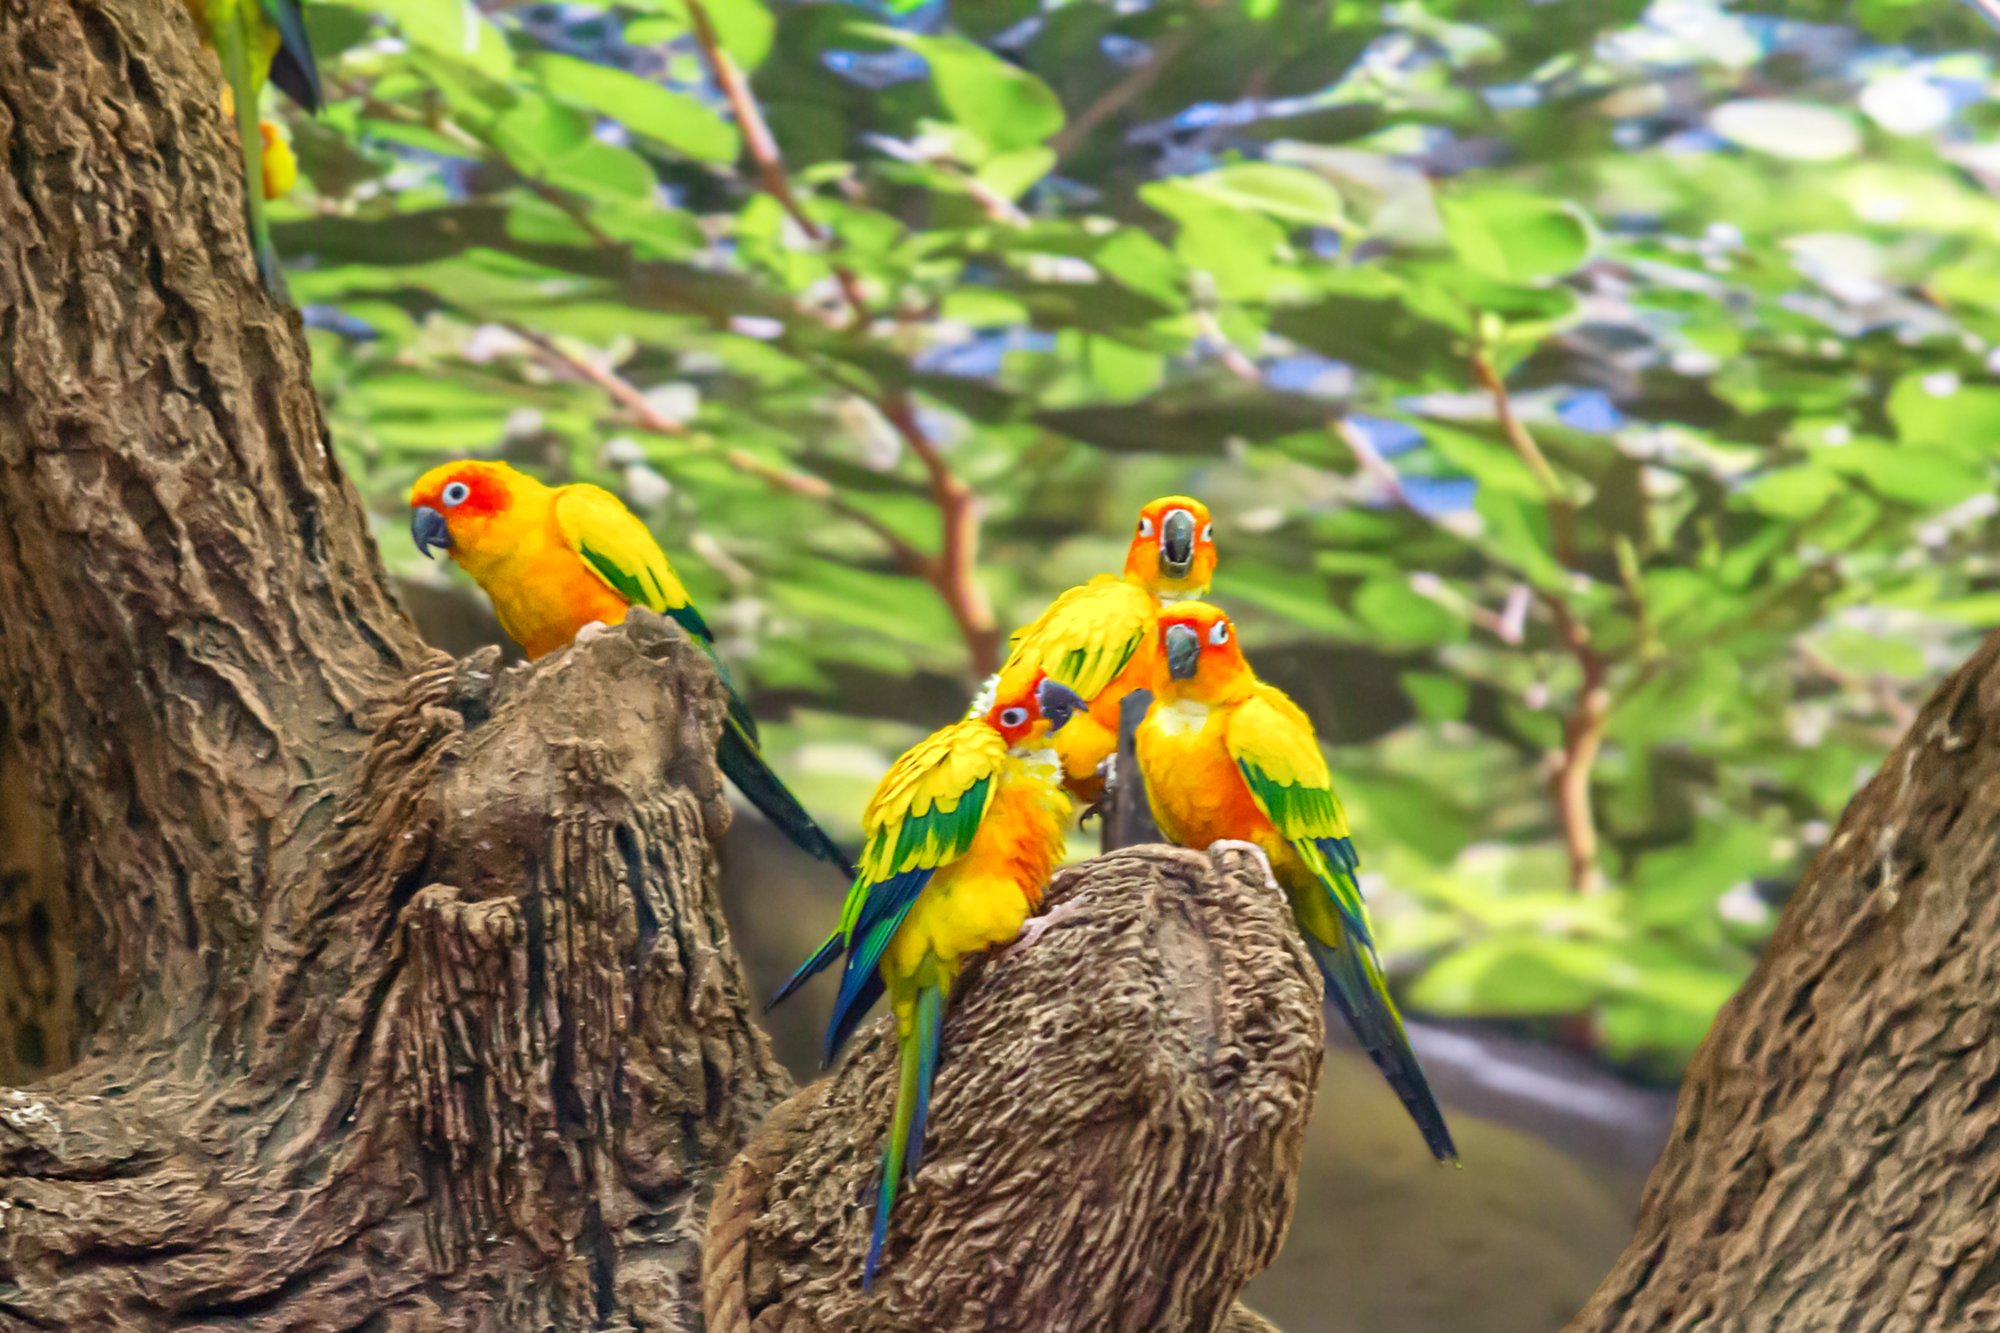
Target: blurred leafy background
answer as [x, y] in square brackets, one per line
[1598, 400]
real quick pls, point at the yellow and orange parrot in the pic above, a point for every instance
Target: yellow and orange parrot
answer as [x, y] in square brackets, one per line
[280, 163]
[961, 838]
[1098, 638]
[555, 559]
[258, 42]
[1228, 758]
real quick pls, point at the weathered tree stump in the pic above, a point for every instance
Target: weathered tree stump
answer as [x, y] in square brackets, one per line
[403, 994]
[1833, 1161]
[1126, 1099]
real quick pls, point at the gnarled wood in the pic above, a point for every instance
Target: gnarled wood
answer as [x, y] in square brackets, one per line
[1115, 1132]
[1832, 1164]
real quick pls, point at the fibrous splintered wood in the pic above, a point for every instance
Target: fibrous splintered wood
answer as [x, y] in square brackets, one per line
[1835, 1160]
[1115, 1132]
[505, 1045]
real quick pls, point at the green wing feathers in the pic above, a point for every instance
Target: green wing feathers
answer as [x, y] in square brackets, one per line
[1274, 748]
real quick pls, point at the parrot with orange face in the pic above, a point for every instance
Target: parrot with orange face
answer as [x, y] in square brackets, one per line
[1098, 638]
[1228, 758]
[556, 559]
[961, 838]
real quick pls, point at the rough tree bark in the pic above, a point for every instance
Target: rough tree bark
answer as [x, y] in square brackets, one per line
[1833, 1163]
[404, 996]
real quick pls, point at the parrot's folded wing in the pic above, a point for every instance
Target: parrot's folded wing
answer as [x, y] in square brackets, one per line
[1086, 637]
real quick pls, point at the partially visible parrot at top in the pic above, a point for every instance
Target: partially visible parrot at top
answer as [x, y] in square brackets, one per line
[259, 42]
[1228, 758]
[555, 559]
[961, 838]
[1098, 638]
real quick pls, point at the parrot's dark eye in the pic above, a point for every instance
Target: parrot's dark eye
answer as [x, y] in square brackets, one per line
[1207, 531]
[1220, 634]
[1145, 527]
[457, 493]
[1014, 717]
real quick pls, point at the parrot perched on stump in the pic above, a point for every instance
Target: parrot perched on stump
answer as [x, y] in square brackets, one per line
[258, 41]
[1228, 758]
[962, 836]
[555, 559]
[1098, 638]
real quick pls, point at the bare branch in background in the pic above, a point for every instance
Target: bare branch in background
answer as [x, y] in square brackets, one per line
[1120, 94]
[645, 416]
[1583, 726]
[954, 573]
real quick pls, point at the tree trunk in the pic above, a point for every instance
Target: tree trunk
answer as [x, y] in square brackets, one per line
[402, 992]
[1832, 1164]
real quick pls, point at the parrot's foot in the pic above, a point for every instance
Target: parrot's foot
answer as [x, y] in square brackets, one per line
[591, 630]
[1101, 807]
[1037, 926]
[1252, 850]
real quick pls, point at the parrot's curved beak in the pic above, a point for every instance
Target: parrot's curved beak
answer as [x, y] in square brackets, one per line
[1183, 651]
[429, 531]
[1177, 544]
[1059, 703]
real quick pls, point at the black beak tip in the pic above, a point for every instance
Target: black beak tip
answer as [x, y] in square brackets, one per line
[1059, 703]
[429, 531]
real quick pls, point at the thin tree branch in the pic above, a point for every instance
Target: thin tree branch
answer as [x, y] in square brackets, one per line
[1583, 727]
[762, 146]
[1120, 94]
[954, 574]
[647, 417]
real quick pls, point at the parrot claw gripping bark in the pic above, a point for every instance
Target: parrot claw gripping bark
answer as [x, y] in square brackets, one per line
[1035, 927]
[565, 562]
[1232, 763]
[961, 837]
[259, 42]
[1254, 852]
[1097, 638]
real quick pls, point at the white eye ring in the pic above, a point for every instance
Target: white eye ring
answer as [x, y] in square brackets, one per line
[1145, 527]
[1207, 531]
[457, 493]
[1014, 717]
[1220, 634]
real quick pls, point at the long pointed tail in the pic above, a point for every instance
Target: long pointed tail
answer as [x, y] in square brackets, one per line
[236, 47]
[743, 763]
[917, 1068]
[1355, 982]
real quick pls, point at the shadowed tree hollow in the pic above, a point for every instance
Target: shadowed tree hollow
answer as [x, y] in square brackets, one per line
[402, 995]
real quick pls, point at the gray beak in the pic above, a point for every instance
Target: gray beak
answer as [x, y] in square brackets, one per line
[1177, 544]
[429, 531]
[1059, 703]
[1183, 652]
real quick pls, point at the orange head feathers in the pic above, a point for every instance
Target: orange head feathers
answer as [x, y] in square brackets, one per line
[460, 507]
[1200, 658]
[1036, 710]
[1173, 548]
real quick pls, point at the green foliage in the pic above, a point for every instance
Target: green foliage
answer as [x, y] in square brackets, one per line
[1735, 274]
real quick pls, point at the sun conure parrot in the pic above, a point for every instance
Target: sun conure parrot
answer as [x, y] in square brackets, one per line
[1097, 638]
[258, 41]
[281, 165]
[1228, 758]
[961, 837]
[555, 559]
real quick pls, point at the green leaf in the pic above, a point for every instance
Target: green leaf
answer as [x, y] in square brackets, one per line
[1289, 194]
[1515, 237]
[675, 119]
[1004, 105]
